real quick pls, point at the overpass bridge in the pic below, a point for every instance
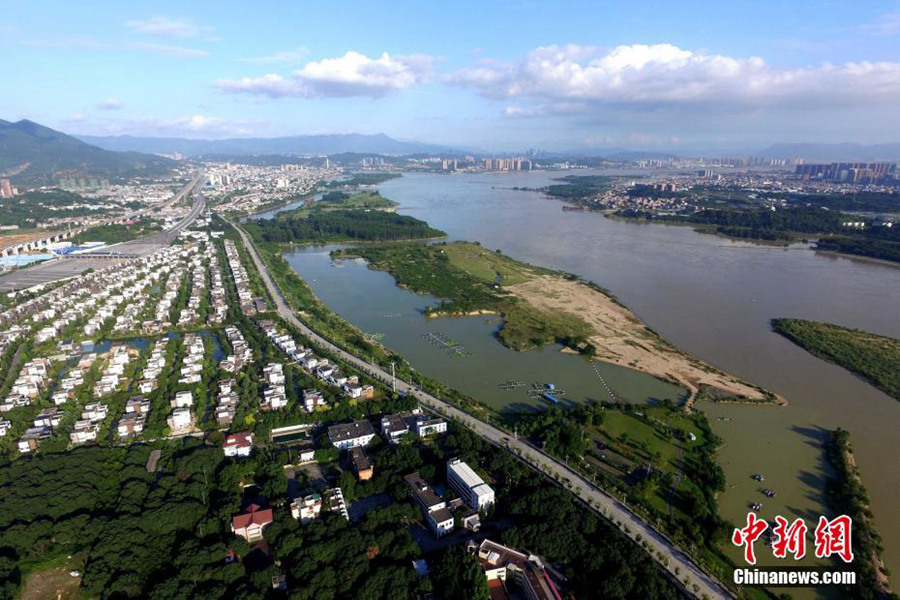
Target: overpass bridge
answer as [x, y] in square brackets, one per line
[73, 265]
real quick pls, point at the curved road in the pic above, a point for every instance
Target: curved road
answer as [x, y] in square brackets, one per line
[608, 506]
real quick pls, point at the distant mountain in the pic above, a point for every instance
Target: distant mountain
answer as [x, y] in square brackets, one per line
[293, 145]
[834, 152]
[32, 153]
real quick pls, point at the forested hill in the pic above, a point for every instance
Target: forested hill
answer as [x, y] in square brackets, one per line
[33, 154]
[342, 225]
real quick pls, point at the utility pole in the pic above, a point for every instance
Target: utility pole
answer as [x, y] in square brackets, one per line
[393, 378]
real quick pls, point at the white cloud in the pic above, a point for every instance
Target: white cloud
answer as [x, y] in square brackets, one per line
[886, 24]
[562, 78]
[84, 42]
[167, 27]
[285, 56]
[353, 74]
[191, 126]
[110, 104]
[167, 50]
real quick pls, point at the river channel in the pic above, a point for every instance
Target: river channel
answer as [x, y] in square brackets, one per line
[710, 296]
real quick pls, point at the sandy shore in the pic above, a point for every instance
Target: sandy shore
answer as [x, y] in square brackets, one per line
[621, 338]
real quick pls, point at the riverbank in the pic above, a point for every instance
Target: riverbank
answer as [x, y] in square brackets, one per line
[541, 307]
[873, 358]
[621, 338]
[848, 496]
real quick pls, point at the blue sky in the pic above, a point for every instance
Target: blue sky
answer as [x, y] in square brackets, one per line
[500, 75]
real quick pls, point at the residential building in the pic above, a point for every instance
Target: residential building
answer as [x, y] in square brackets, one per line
[433, 426]
[362, 465]
[434, 508]
[180, 419]
[307, 509]
[470, 487]
[506, 567]
[29, 440]
[251, 524]
[394, 428]
[312, 399]
[238, 444]
[348, 435]
[334, 500]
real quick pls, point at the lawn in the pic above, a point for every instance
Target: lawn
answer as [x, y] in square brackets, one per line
[486, 265]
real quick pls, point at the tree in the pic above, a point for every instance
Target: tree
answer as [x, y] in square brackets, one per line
[459, 575]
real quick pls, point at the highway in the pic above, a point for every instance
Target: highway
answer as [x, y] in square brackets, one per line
[72, 266]
[597, 499]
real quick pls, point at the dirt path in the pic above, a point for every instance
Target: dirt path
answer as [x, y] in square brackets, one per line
[621, 338]
[52, 584]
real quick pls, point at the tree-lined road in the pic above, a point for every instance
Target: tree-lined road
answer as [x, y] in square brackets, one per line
[674, 559]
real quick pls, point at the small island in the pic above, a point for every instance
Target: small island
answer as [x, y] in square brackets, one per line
[871, 357]
[540, 307]
[341, 217]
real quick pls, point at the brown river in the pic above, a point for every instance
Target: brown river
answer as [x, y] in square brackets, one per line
[710, 296]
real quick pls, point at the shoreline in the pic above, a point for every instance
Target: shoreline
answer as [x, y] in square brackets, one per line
[612, 332]
[621, 338]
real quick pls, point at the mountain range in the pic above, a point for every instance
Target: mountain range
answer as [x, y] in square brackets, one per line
[33, 154]
[292, 145]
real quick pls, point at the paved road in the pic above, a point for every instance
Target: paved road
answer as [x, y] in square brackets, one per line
[74, 265]
[600, 501]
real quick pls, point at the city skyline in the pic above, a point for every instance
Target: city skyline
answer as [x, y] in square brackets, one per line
[683, 79]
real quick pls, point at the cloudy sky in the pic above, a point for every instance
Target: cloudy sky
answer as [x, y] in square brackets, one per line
[491, 75]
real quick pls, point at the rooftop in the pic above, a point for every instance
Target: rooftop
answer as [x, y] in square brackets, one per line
[350, 431]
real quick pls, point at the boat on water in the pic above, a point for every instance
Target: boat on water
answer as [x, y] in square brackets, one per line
[769, 493]
[759, 477]
[550, 398]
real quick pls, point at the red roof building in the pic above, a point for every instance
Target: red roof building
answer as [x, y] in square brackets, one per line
[251, 524]
[238, 444]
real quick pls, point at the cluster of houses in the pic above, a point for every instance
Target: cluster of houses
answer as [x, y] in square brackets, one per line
[130, 288]
[131, 424]
[32, 378]
[226, 402]
[72, 379]
[190, 313]
[119, 357]
[218, 304]
[319, 367]
[160, 322]
[181, 419]
[8, 337]
[192, 365]
[241, 354]
[152, 371]
[67, 303]
[249, 304]
[273, 394]
[87, 428]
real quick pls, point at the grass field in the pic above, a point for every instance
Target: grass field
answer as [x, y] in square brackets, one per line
[471, 279]
[340, 201]
[488, 266]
